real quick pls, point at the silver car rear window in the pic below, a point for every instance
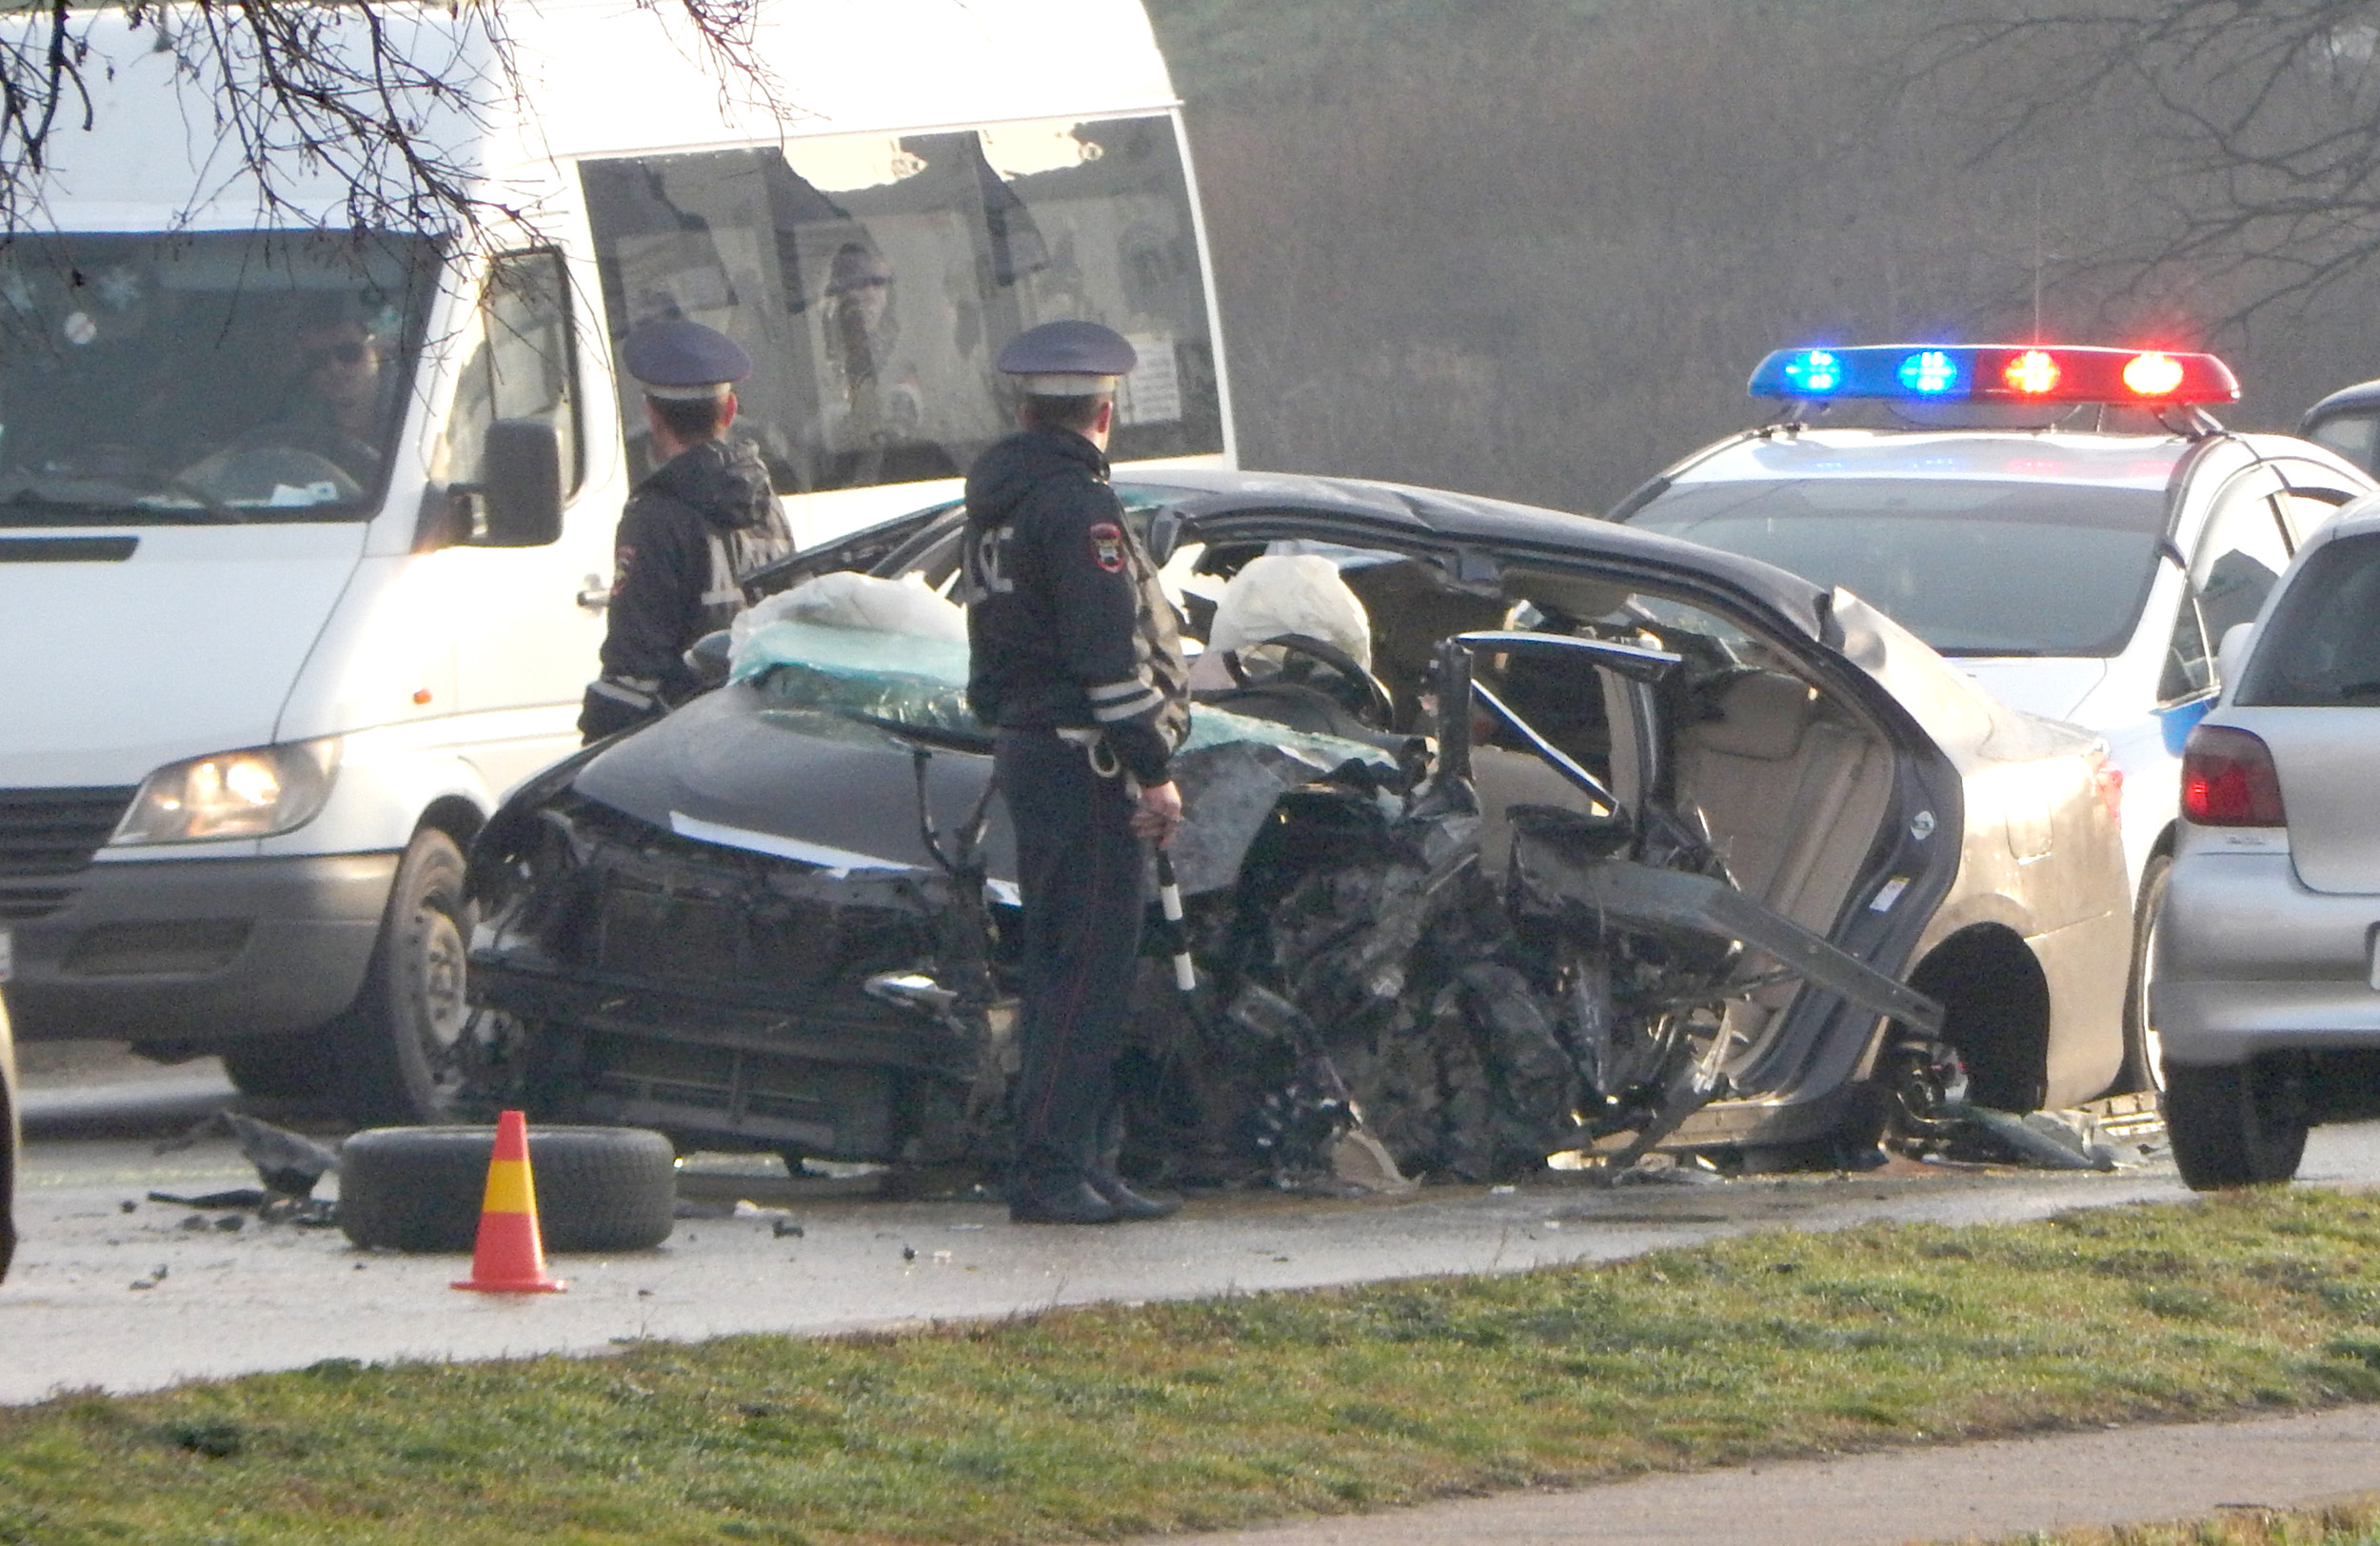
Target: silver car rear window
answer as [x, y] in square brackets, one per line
[2322, 648]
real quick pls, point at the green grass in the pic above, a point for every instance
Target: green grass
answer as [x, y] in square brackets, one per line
[2348, 1522]
[1114, 1421]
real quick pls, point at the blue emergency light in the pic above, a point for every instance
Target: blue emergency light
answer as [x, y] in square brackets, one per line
[1995, 374]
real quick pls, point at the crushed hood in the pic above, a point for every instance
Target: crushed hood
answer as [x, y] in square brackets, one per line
[726, 771]
[134, 648]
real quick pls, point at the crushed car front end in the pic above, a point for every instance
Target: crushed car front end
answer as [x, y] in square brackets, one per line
[1659, 880]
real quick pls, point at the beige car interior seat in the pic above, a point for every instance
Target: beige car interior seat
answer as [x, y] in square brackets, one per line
[1788, 792]
[1791, 795]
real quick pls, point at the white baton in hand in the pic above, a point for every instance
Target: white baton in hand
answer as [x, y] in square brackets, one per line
[1169, 900]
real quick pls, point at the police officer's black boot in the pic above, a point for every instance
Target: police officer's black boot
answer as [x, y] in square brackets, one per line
[1104, 1180]
[1042, 1190]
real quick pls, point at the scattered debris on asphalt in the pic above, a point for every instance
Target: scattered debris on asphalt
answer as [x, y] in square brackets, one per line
[289, 1164]
[242, 1197]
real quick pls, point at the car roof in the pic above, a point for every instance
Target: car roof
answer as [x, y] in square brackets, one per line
[2360, 517]
[2363, 394]
[1446, 516]
[2145, 461]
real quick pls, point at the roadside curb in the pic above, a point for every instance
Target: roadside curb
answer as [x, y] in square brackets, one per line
[1988, 1491]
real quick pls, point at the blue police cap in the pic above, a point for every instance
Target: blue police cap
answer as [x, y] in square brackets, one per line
[684, 360]
[1068, 359]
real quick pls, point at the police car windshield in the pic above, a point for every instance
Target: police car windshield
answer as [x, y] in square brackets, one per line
[1970, 567]
[224, 376]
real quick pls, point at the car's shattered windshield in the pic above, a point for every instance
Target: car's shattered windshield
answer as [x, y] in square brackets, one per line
[202, 377]
[1970, 567]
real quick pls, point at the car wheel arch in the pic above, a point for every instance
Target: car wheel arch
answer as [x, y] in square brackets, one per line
[457, 816]
[1996, 1001]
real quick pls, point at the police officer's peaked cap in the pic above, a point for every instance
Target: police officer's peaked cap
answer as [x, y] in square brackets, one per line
[1068, 359]
[684, 360]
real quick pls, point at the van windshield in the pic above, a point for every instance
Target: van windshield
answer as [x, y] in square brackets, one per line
[213, 376]
[873, 279]
[1972, 566]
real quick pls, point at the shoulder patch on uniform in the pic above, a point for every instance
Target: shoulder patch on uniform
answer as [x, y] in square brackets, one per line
[1107, 545]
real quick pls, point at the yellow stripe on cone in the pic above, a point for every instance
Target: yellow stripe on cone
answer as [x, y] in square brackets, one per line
[510, 1258]
[509, 1189]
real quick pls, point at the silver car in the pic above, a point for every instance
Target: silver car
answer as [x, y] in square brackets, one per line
[2268, 986]
[8, 1120]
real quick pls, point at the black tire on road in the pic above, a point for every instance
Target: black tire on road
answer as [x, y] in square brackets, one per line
[420, 1188]
[2229, 1128]
[2144, 1062]
[396, 1044]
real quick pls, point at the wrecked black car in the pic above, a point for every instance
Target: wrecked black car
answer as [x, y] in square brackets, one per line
[1513, 834]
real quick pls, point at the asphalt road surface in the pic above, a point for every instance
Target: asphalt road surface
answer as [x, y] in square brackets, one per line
[116, 1292]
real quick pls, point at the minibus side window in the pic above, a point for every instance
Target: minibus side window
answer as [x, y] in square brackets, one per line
[873, 279]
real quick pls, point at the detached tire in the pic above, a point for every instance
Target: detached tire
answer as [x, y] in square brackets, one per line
[599, 1189]
[2229, 1130]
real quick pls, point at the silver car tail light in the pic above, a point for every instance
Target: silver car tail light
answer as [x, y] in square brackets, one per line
[2228, 779]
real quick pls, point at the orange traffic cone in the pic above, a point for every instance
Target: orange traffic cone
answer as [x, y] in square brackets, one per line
[509, 1259]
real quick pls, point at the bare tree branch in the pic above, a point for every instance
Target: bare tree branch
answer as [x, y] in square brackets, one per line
[380, 99]
[2260, 120]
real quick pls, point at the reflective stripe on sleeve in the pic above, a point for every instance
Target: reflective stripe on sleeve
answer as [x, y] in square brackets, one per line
[1144, 701]
[620, 693]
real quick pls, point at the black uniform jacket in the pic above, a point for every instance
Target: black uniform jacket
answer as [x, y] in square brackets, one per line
[1067, 625]
[701, 519]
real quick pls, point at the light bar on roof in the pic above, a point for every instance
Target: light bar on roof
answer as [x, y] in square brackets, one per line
[1995, 374]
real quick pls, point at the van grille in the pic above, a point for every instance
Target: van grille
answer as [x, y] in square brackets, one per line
[46, 838]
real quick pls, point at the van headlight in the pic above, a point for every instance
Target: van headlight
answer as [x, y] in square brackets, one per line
[254, 793]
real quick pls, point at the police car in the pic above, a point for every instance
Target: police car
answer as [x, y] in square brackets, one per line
[2068, 524]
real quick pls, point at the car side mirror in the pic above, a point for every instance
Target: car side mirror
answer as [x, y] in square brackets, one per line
[2231, 653]
[1167, 530]
[708, 658]
[521, 483]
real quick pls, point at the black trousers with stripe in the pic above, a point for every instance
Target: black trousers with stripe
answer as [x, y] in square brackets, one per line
[1084, 876]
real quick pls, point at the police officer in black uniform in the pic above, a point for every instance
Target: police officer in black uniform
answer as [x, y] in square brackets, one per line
[1078, 662]
[704, 516]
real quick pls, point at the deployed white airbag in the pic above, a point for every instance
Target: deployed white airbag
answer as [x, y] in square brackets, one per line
[850, 599]
[1279, 594]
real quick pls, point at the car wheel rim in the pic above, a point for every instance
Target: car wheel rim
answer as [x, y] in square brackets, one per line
[2153, 1047]
[441, 1010]
[2152, 1044]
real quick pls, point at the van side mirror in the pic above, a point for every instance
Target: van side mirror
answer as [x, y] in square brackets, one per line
[521, 483]
[2231, 653]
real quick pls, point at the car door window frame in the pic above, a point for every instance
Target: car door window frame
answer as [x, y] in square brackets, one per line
[478, 392]
[2245, 506]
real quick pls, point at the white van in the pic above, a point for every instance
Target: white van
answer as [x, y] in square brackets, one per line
[306, 536]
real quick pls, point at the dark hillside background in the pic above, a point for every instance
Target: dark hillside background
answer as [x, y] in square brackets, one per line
[1533, 247]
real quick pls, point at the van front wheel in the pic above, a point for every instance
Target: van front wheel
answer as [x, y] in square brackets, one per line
[399, 1039]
